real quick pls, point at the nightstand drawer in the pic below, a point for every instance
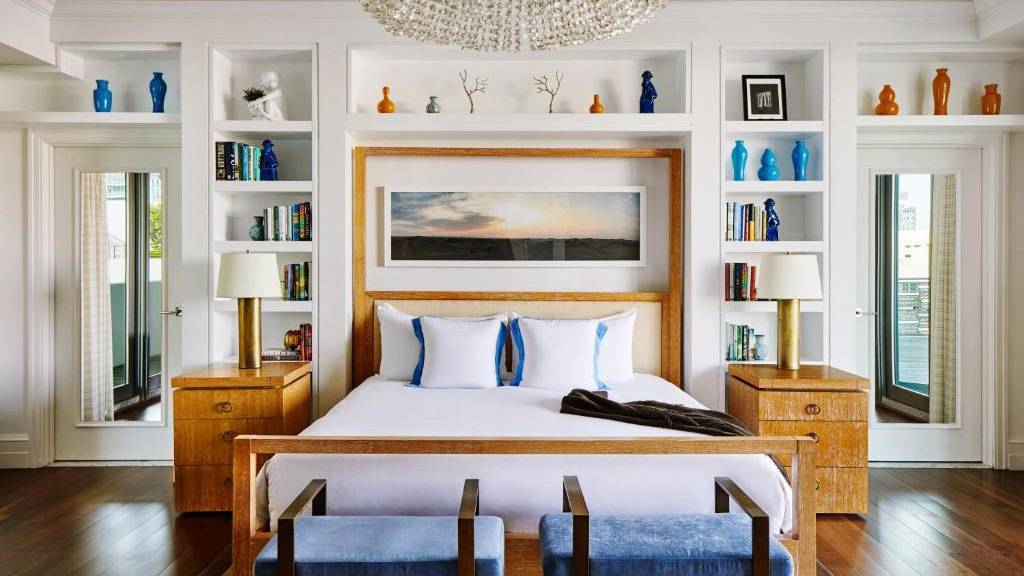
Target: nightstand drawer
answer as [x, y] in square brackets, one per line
[840, 490]
[209, 441]
[191, 404]
[813, 406]
[838, 443]
[202, 488]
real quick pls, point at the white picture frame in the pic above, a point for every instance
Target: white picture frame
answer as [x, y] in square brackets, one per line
[390, 260]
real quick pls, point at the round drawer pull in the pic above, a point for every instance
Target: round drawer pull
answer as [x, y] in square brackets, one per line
[813, 409]
[814, 437]
[228, 436]
[223, 407]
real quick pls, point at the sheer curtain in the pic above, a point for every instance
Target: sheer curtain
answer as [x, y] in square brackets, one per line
[943, 293]
[97, 363]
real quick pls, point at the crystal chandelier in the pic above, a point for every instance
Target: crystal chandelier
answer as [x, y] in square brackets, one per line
[508, 25]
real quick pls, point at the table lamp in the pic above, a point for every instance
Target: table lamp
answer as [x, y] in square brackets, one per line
[787, 279]
[248, 277]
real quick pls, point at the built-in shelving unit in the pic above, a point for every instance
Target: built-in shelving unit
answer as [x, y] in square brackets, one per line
[802, 206]
[235, 203]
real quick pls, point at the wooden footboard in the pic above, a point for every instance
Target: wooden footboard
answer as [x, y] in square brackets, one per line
[522, 551]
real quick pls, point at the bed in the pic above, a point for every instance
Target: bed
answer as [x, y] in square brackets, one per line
[388, 448]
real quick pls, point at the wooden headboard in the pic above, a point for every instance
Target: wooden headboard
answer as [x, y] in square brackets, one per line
[658, 338]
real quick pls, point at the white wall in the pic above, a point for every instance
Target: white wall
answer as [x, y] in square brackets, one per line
[1015, 304]
[702, 26]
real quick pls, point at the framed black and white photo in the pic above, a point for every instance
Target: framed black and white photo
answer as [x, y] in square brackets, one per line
[455, 226]
[764, 97]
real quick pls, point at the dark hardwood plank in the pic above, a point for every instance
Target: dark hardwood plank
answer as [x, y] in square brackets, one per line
[121, 520]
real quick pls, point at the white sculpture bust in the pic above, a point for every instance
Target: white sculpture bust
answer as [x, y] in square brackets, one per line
[271, 105]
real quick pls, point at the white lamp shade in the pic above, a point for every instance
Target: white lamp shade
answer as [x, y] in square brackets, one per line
[789, 276]
[248, 275]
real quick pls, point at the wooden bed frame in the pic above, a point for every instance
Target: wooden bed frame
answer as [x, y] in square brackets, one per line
[522, 557]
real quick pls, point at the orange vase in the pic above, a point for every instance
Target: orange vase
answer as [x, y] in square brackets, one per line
[940, 92]
[386, 106]
[887, 105]
[597, 107]
[991, 101]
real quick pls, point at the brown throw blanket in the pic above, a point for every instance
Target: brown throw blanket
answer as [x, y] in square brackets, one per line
[657, 414]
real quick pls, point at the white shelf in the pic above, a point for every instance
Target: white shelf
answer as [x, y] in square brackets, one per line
[243, 187]
[223, 246]
[768, 306]
[85, 119]
[924, 122]
[799, 246]
[780, 129]
[778, 187]
[255, 129]
[621, 125]
[271, 306]
[773, 361]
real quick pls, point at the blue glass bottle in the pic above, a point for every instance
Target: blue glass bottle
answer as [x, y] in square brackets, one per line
[739, 161]
[102, 98]
[800, 157]
[769, 170]
[157, 91]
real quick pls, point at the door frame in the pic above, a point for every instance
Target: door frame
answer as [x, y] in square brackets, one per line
[994, 178]
[40, 288]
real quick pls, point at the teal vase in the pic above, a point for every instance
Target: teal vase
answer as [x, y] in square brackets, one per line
[800, 157]
[102, 98]
[769, 170]
[739, 161]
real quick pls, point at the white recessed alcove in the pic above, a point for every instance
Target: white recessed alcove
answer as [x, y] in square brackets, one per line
[415, 73]
[805, 70]
[234, 68]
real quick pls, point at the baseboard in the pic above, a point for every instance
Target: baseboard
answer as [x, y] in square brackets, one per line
[110, 463]
[14, 451]
[1015, 455]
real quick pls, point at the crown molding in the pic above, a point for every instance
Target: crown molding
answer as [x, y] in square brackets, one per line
[40, 7]
[188, 10]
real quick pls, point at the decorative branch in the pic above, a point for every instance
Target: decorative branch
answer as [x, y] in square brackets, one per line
[479, 85]
[542, 86]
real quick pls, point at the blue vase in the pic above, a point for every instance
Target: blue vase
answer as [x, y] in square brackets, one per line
[768, 170]
[800, 156]
[157, 90]
[739, 161]
[102, 99]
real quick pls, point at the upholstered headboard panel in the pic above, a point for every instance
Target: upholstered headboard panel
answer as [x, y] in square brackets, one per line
[647, 342]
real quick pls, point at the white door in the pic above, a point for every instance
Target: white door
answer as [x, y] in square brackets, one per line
[116, 257]
[919, 264]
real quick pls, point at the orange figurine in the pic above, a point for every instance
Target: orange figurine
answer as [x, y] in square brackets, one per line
[887, 105]
[991, 101]
[597, 107]
[386, 106]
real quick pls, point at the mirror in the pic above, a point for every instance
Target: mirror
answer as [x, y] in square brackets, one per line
[916, 272]
[121, 296]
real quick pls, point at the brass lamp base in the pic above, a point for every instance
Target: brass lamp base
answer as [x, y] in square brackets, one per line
[250, 337]
[788, 334]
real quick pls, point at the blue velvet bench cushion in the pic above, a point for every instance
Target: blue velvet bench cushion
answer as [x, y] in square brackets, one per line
[385, 546]
[659, 545]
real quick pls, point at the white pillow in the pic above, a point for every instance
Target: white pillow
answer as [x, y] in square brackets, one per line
[615, 362]
[557, 354]
[458, 353]
[399, 347]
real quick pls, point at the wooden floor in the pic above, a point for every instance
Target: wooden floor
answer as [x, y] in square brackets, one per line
[122, 521]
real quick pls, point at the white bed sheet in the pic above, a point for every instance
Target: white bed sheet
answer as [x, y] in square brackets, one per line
[520, 489]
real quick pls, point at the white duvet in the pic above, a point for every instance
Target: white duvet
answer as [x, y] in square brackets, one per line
[519, 489]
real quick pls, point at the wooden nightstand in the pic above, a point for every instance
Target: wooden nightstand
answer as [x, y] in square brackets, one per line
[215, 404]
[822, 402]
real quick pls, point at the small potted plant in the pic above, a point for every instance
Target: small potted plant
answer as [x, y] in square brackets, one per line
[253, 96]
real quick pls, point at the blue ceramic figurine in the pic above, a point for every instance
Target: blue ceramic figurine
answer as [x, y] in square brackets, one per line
[157, 91]
[102, 98]
[800, 156]
[268, 162]
[773, 222]
[647, 93]
[739, 161]
[768, 171]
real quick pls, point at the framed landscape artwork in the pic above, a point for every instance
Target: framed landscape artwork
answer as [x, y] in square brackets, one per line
[515, 227]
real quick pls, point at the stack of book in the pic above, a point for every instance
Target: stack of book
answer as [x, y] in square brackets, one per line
[280, 355]
[745, 222]
[742, 343]
[306, 342]
[237, 161]
[295, 281]
[288, 222]
[740, 281]
[304, 353]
